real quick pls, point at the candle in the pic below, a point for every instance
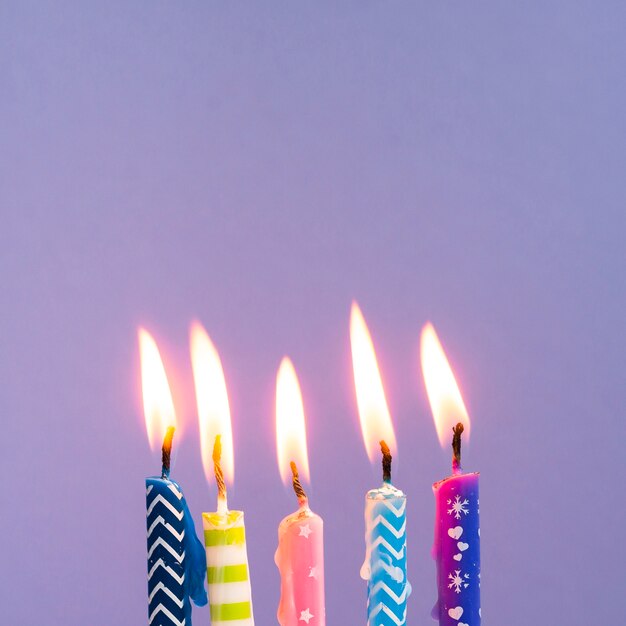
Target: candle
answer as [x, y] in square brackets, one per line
[384, 567]
[176, 561]
[228, 575]
[300, 553]
[456, 548]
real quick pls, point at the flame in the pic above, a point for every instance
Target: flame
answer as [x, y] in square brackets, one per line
[443, 392]
[212, 401]
[290, 424]
[370, 396]
[158, 406]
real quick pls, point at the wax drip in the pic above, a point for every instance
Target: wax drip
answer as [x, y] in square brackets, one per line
[386, 461]
[297, 485]
[166, 452]
[456, 447]
[217, 467]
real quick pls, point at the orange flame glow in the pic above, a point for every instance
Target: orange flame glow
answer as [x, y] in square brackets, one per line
[443, 392]
[373, 411]
[212, 402]
[158, 405]
[290, 424]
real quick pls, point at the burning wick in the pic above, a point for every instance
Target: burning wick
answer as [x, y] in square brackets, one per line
[384, 448]
[166, 452]
[219, 475]
[456, 448]
[297, 485]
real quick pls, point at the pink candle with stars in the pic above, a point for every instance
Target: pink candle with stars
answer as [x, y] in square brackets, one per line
[457, 528]
[300, 553]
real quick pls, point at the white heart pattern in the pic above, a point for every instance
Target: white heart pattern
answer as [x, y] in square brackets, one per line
[462, 546]
[455, 532]
[463, 624]
[456, 612]
[457, 557]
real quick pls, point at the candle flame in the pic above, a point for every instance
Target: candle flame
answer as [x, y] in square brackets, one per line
[290, 423]
[212, 403]
[158, 405]
[373, 411]
[444, 396]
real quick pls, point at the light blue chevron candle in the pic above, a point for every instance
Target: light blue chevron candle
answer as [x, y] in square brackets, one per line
[384, 567]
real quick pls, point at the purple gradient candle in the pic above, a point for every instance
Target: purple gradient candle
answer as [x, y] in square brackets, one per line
[456, 548]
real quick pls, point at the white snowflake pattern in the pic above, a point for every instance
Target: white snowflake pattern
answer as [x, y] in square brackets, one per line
[458, 581]
[457, 507]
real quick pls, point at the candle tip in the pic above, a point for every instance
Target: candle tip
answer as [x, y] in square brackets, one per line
[456, 447]
[384, 448]
[297, 485]
[217, 467]
[166, 452]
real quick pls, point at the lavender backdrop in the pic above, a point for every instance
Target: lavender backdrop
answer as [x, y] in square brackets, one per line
[258, 165]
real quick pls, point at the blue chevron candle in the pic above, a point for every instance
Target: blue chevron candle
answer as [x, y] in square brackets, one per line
[384, 567]
[176, 558]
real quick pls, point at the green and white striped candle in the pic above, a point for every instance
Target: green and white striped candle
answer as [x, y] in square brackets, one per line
[228, 575]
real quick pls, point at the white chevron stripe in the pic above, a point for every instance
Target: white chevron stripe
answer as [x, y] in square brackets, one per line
[161, 563]
[381, 585]
[168, 592]
[161, 542]
[149, 489]
[394, 618]
[381, 542]
[397, 512]
[175, 491]
[177, 514]
[162, 609]
[396, 533]
[160, 520]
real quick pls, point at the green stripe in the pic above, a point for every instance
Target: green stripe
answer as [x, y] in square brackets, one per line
[226, 612]
[227, 574]
[228, 537]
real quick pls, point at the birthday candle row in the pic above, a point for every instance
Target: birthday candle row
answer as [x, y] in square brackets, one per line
[178, 563]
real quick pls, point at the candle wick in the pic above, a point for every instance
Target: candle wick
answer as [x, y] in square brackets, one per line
[456, 448]
[217, 466]
[166, 452]
[386, 461]
[297, 485]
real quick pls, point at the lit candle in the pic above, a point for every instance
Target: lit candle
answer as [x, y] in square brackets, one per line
[457, 528]
[228, 575]
[300, 553]
[176, 561]
[384, 567]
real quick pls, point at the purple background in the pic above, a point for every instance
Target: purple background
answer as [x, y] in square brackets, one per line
[258, 167]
